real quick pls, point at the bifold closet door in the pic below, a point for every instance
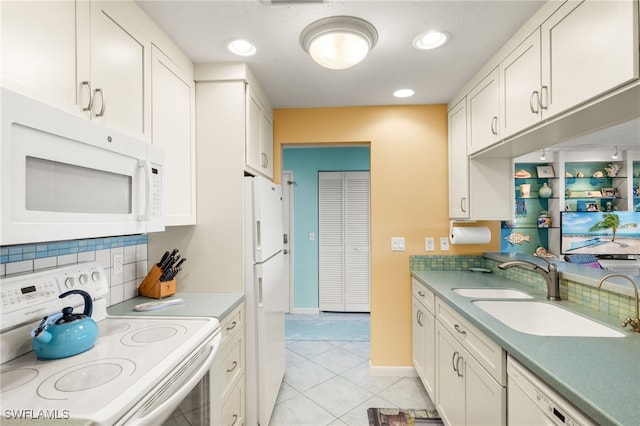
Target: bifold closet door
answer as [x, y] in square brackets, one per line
[343, 237]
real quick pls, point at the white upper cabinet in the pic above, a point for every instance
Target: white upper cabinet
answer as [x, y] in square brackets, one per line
[259, 142]
[589, 47]
[88, 58]
[39, 50]
[484, 110]
[173, 128]
[520, 87]
[458, 162]
[583, 50]
[111, 71]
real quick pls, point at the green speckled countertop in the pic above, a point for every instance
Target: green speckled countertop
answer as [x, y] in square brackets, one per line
[599, 375]
[217, 305]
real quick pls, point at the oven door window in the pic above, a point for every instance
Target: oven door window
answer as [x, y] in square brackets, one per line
[52, 186]
[194, 408]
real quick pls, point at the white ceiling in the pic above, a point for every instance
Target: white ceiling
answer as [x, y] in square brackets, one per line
[477, 28]
[291, 79]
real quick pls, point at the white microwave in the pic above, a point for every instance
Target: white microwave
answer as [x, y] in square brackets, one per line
[65, 177]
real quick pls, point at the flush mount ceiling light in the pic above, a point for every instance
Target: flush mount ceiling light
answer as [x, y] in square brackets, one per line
[242, 47]
[403, 93]
[615, 154]
[338, 42]
[430, 40]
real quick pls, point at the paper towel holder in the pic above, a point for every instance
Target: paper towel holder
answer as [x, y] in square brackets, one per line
[451, 222]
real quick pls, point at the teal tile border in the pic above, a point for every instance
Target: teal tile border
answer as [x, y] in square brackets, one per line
[446, 263]
[612, 304]
[22, 252]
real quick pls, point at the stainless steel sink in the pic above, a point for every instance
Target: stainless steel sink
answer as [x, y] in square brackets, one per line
[491, 293]
[544, 319]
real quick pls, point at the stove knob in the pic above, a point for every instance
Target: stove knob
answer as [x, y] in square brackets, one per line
[84, 279]
[95, 276]
[69, 282]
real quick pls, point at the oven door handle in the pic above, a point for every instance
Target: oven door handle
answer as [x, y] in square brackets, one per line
[159, 414]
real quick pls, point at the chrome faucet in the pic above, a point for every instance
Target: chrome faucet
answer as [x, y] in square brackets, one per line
[635, 323]
[550, 275]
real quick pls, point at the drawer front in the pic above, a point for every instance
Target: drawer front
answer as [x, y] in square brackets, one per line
[424, 295]
[233, 411]
[483, 349]
[232, 364]
[232, 323]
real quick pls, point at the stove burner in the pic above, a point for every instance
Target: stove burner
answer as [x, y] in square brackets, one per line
[108, 328]
[88, 377]
[91, 375]
[152, 334]
[12, 379]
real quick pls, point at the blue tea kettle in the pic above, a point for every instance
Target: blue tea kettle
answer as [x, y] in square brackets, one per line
[66, 334]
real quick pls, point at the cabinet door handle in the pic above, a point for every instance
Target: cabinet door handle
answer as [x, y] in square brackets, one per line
[265, 159]
[232, 326]
[462, 203]
[420, 293]
[494, 125]
[235, 420]
[459, 330]
[90, 104]
[454, 363]
[460, 358]
[103, 104]
[233, 367]
[535, 96]
[544, 90]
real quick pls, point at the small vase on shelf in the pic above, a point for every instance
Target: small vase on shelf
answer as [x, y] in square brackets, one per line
[544, 219]
[545, 191]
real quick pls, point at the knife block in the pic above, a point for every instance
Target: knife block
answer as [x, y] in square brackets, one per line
[152, 287]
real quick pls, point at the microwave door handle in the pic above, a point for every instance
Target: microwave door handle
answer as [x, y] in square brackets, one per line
[146, 215]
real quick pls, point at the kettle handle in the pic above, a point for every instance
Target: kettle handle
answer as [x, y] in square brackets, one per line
[88, 302]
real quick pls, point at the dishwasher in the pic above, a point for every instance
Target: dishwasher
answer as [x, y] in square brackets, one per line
[530, 402]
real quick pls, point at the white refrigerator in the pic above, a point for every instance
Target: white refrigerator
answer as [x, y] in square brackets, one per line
[266, 298]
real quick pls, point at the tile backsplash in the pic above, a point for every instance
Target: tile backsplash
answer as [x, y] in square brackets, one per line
[123, 285]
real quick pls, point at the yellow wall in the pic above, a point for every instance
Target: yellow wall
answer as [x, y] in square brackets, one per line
[408, 199]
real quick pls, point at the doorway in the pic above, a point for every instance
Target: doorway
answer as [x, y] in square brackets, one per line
[305, 163]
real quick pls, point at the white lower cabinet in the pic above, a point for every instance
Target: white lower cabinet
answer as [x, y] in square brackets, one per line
[463, 370]
[232, 368]
[466, 393]
[424, 337]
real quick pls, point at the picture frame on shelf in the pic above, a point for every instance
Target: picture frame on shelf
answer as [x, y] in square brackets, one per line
[545, 171]
[609, 192]
[593, 194]
[592, 207]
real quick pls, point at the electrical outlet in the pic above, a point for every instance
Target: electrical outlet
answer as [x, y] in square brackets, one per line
[429, 245]
[397, 243]
[444, 243]
[118, 263]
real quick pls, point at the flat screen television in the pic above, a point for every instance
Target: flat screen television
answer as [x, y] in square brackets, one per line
[604, 234]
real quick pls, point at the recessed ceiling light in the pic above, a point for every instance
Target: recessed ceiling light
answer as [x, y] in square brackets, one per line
[403, 93]
[242, 47]
[430, 40]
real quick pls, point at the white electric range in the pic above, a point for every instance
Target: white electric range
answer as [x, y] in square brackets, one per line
[138, 372]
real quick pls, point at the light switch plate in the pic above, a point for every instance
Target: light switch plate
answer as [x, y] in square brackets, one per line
[429, 244]
[397, 243]
[444, 243]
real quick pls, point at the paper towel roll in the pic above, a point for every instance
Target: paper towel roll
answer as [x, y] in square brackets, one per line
[470, 235]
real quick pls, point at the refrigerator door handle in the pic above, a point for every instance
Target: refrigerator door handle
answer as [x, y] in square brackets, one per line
[260, 302]
[258, 235]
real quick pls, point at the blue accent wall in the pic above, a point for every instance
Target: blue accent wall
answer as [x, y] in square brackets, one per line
[305, 164]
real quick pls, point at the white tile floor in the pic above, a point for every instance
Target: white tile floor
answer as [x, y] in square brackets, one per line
[328, 383]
